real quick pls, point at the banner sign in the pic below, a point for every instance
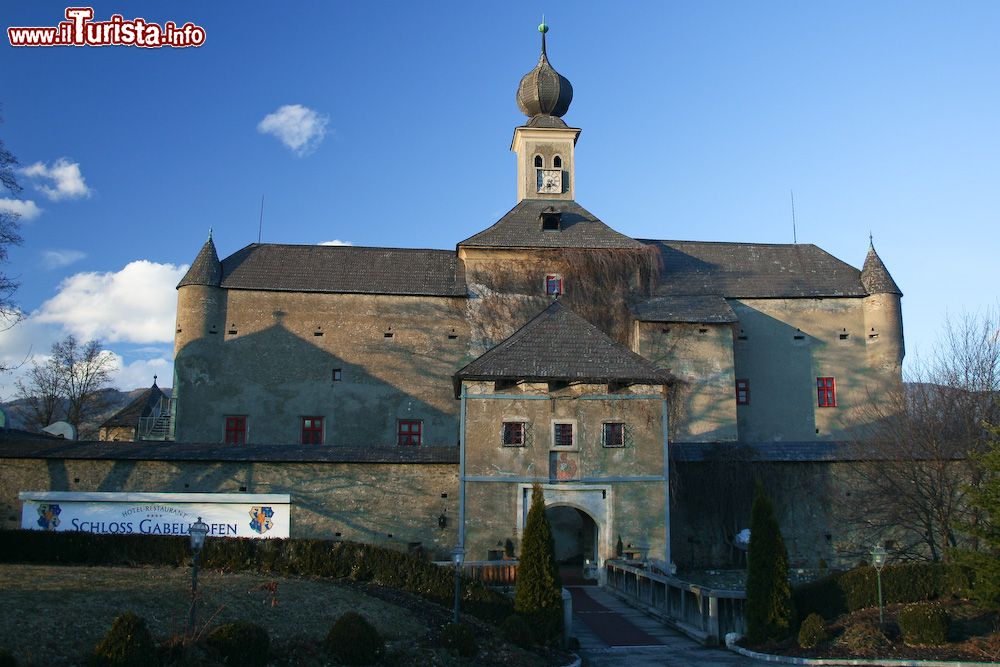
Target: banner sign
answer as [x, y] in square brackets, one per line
[227, 514]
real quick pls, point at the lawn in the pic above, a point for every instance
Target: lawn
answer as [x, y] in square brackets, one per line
[56, 615]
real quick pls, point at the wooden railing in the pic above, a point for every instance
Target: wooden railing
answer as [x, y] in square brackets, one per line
[702, 613]
[496, 573]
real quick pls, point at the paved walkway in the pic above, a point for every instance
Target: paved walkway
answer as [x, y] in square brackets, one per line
[613, 633]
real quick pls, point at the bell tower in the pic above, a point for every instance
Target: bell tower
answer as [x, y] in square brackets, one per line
[545, 145]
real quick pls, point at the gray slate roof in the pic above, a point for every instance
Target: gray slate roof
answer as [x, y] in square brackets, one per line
[142, 406]
[345, 269]
[205, 269]
[875, 277]
[702, 309]
[753, 270]
[559, 345]
[521, 227]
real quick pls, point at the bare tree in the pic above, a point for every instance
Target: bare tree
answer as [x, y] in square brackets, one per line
[911, 481]
[69, 384]
[9, 235]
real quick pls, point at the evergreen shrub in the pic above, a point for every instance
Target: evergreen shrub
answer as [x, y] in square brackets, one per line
[459, 639]
[127, 644]
[768, 603]
[538, 590]
[924, 624]
[354, 641]
[296, 557]
[812, 632]
[240, 644]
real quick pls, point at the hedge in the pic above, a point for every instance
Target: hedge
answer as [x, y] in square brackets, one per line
[304, 557]
[858, 588]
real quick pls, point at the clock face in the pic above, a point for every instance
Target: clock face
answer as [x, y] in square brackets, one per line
[550, 181]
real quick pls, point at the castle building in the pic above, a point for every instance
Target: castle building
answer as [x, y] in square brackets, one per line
[547, 347]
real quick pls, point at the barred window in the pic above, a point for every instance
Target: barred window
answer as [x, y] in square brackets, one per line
[563, 435]
[614, 434]
[514, 434]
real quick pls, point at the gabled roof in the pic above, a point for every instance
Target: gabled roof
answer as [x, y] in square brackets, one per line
[557, 345]
[753, 270]
[875, 277]
[702, 309]
[521, 227]
[345, 269]
[205, 269]
[142, 406]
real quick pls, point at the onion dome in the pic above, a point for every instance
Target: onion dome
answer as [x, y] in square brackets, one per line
[544, 91]
[206, 269]
[875, 277]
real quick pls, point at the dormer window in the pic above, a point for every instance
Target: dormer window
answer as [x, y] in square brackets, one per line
[551, 221]
[538, 161]
[557, 162]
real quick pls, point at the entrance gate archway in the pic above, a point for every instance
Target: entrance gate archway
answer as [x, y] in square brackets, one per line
[575, 538]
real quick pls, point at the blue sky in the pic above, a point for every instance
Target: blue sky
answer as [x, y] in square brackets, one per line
[698, 119]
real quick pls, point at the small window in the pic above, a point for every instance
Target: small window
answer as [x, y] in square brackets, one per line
[513, 434]
[236, 429]
[563, 435]
[826, 393]
[538, 161]
[550, 221]
[743, 392]
[614, 434]
[557, 162]
[312, 430]
[338, 375]
[410, 432]
[553, 285]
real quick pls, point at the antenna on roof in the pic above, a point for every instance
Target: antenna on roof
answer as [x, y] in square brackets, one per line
[260, 223]
[795, 237]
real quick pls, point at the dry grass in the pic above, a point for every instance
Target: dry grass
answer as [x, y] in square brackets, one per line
[55, 615]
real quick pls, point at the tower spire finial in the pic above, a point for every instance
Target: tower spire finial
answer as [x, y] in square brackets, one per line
[871, 240]
[542, 28]
[209, 233]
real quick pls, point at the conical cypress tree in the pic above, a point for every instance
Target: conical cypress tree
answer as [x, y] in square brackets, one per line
[769, 595]
[538, 591]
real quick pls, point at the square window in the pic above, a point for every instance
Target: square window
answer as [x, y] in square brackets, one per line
[614, 434]
[563, 435]
[826, 393]
[312, 430]
[236, 429]
[409, 432]
[743, 392]
[553, 285]
[513, 434]
[338, 375]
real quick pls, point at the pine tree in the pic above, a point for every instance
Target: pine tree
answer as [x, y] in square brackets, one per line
[985, 497]
[768, 605]
[538, 590]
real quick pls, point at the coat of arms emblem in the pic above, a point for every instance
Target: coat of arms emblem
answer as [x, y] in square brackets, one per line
[260, 519]
[48, 516]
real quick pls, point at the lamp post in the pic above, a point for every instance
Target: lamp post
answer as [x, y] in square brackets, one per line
[457, 556]
[197, 531]
[879, 554]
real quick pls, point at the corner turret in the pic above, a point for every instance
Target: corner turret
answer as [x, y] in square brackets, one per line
[883, 313]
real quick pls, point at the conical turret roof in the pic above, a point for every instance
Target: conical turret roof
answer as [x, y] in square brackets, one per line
[875, 277]
[206, 269]
[543, 91]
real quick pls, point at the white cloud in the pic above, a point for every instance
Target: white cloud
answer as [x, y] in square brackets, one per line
[137, 304]
[56, 259]
[336, 242]
[298, 127]
[63, 174]
[139, 374]
[26, 209]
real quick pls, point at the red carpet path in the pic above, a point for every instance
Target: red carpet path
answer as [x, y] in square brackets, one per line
[611, 628]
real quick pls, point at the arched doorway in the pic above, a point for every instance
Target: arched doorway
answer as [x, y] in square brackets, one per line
[575, 537]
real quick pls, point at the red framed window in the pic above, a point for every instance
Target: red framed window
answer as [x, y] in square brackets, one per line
[312, 430]
[743, 392]
[513, 434]
[553, 285]
[410, 432]
[614, 434]
[563, 435]
[236, 429]
[826, 393]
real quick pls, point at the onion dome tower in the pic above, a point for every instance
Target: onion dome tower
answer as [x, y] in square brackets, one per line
[545, 145]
